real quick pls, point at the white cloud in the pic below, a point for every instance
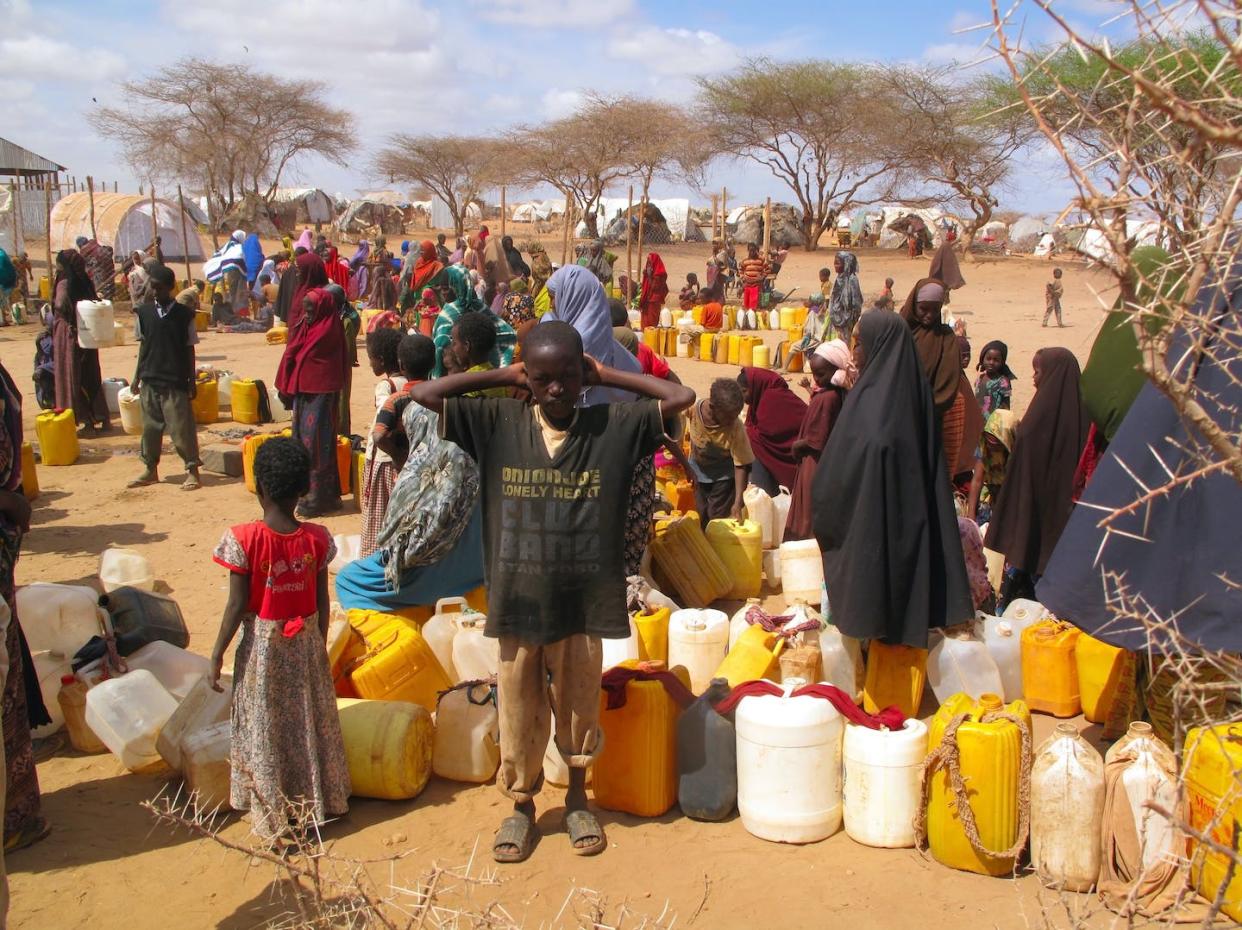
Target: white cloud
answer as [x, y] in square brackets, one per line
[559, 103]
[36, 56]
[962, 53]
[553, 13]
[675, 51]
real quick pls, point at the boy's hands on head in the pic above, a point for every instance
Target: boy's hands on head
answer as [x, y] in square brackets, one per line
[592, 371]
[516, 375]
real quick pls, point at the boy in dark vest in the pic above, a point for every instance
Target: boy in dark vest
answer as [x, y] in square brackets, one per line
[164, 379]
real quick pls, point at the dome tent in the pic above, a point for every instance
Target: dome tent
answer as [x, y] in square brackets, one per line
[123, 221]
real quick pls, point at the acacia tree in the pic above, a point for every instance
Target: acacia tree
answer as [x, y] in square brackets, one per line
[661, 141]
[959, 136]
[233, 130]
[819, 127]
[454, 168]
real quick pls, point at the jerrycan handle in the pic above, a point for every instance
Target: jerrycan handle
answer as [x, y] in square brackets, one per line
[452, 602]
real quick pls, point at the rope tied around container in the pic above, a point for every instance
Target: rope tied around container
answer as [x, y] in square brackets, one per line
[948, 756]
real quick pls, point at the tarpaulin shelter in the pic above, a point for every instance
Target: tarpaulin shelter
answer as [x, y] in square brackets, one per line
[291, 206]
[123, 221]
[371, 216]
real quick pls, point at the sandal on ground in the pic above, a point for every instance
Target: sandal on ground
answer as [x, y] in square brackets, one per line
[583, 825]
[143, 481]
[518, 832]
[27, 836]
[191, 483]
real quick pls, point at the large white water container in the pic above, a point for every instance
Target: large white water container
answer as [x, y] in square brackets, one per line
[881, 793]
[206, 764]
[772, 568]
[467, 737]
[59, 618]
[441, 629]
[738, 623]
[475, 656]
[842, 660]
[760, 510]
[616, 651]
[958, 662]
[178, 670]
[119, 568]
[348, 548]
[96, 324]
[1150, 774]
[780, 514]
[49, 669]
[789, 767]
[1027, 611]
[112, 388]
[802, 571]
[280, 413]
[1004, 641]
[666, 317]
[202, 707]
[224, 387]
[698, 640]
[1067, 810]
[127, 714]
[130, 406]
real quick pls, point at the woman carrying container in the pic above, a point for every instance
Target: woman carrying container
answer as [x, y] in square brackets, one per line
[79, 383]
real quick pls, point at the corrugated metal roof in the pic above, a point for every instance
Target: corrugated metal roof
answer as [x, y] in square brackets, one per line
[16, 160]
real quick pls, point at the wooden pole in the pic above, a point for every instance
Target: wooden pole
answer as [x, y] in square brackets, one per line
[715, 212]
[116, 187]
[504, 213]
[17, 206]
[629, 237]
[724, 211]
[90, 192]
[642, 221]
[767, 227]
[155, 222]
[47, 231]
[185, 237]
[565, 233]
[211, 223]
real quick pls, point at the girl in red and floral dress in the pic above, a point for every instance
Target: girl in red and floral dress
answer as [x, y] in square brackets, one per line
[288, 758]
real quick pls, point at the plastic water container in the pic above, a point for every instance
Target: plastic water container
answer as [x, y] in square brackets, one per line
[467, 736]
[205, 755]
[127, 714]
[761, 356]
[697, 641]
[1149, 775]
[30, 472]
[636, 770]
[388, 746]
[1067, 810]
[739, 545]
[225, 381]
[635, 318]
[802, 570]
[119, 568]
[895, 677]
[58, 618]
[991, 763]
[652, 628]
[707, 757]
[96, 324]
[882, 776]
[780, 515]
[58, 437]
[129, 405]
[112, 388]
[475, 656]
[1100, 668]
[1049, 670]
[683, 555]
[755, 655]
[959, 663]
[120, 334]
[139, 617]
[789, 767]
[50, 669]
[176, 669]
[842, 660]
[348, 548]
[206, 401]
[1214, 802]
[706, 347]
[1004, 641]
[441, 629]
[399, 665]
[616, 651]
[250, 448]
[244, 400]
[738, 622]
[72, 701]
[1027, 611]
[787, 318]
[759, 509]
[201, 707]
[280, 413]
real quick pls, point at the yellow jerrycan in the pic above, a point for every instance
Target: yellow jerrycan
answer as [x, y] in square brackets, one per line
[895, 676]
[739, 545]
[388, 747]
[994, 756]
[735, 348]
[706, 347]
[652, 627]
[682, 554]
[1214, 806]
[58, 437]
[399, 665]
[244, 400]
[206, 401]
[755, 655]
[1100, 667]
[250, 447]
[1049, 669]
[30, 476]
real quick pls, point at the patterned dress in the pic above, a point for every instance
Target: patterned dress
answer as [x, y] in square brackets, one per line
[287, 749]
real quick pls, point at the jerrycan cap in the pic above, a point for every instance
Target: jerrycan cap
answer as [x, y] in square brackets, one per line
[1004, 628]
[695, 622]
[990, 702]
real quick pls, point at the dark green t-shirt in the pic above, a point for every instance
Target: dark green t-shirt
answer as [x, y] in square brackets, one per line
[554, 529]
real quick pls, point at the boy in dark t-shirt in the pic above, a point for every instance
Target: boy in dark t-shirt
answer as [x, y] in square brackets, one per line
[555, 482]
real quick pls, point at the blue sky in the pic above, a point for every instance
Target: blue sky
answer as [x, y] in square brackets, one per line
[467, 67]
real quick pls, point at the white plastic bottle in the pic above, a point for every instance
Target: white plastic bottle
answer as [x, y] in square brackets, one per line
[881, 794]
[1067, 809]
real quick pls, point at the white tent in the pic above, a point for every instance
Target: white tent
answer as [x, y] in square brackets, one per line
[391, 198]
[932, 217]
[123, 221]
[531, 212]
[681, 225]
[442, 217]
[313, 205]
[1095, 245]
[995, 231]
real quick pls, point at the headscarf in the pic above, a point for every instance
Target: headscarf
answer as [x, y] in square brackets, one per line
[1036, 499]
[360, 255]
[883, 510]
[944, 267]
[845, 305]
[338, 271]
[252, 250]
[314, 357]
[81, 287]
[598, 263]
[937, 348]
[465, 299]
[963, 346]
[426, 268]
[838, 354]
[8, 273]
[1002, 425]
[513, 255]
[269, 269]
[229, 254]
[655, 280]
[773, 421]
[540, 268]
[498, 302]
[311, 275]
[998, 346]
[305, 241]
[494, 266]
[580, 301]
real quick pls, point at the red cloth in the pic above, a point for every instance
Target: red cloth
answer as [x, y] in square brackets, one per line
[426, 266]
[615, 679]
[821, 416]
[890, 718]
[314, 359]
[311, 274]
[652, 363]
[713, 316]
[283, 568]
[654, 289]
[773, 422]
[385, 320]
[337, 269]
[1092, 451]
[750, 297]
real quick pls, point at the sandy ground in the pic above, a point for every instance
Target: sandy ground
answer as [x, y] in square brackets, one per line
[104, 864]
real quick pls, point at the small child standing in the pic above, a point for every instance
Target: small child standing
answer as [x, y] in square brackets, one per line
[720, 452]
[689, 295]
[379, 473]
[994, 387]
[1052, 297]
[885, 300]
[555, 485]
[287, 749]
[164, 379]
[825, 284]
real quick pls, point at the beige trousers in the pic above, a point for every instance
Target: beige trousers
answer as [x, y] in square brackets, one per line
[534, 684]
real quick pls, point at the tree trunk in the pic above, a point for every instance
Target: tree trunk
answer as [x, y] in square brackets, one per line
[983, 215]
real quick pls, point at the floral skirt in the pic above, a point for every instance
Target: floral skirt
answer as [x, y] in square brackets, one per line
[314, 425]
[638, 516]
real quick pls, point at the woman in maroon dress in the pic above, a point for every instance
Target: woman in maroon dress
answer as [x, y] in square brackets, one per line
[834, 373]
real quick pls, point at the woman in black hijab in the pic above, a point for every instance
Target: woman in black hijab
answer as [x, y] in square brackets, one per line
[1036, 499]
[884, 515]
